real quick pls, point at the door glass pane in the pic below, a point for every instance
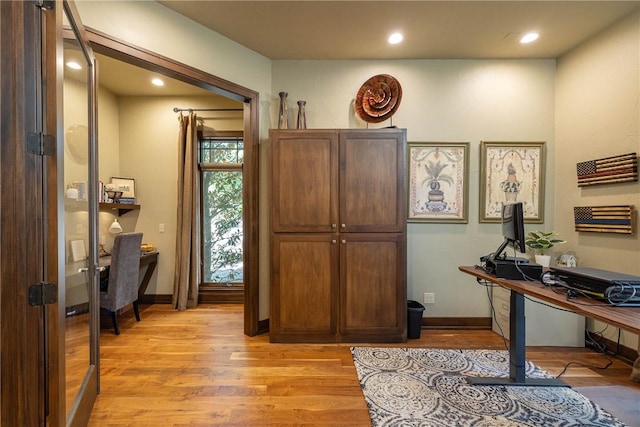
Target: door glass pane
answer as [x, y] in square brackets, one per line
[78, 236]
[222, 223]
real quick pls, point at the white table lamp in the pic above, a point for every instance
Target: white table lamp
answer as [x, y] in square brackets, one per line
[115, 227]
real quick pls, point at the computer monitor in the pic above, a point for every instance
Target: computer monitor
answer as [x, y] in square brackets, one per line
[512, 229]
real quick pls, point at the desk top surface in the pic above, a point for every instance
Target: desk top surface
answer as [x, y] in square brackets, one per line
[627, 318]
[73, 268]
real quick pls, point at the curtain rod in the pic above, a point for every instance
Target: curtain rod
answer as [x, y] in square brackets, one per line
[178, 110]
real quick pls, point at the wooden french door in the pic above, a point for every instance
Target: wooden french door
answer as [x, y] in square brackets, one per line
[32, 230]
[29, 367]
[78, 222]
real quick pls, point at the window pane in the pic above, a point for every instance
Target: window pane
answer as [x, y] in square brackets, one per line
[221, 150]
[222, 223]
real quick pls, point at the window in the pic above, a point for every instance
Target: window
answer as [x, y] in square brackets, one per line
[220, 161]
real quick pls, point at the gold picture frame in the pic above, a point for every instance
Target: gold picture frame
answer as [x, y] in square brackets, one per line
[512, 172]
[438, 182]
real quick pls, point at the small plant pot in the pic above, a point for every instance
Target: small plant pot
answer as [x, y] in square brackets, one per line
[543, 260]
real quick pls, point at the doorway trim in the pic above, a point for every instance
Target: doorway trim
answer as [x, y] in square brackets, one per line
[107, 45]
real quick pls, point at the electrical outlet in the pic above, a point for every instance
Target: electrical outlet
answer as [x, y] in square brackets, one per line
[161, 228]
[429, 298]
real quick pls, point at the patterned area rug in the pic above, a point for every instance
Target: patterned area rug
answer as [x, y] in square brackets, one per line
[427, 387]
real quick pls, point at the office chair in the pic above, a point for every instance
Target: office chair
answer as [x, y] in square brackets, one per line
[124, 273]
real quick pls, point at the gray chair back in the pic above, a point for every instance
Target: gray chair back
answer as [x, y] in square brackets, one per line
[124, 272]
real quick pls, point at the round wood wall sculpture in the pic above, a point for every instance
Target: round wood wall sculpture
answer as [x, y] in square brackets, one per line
[378, 98]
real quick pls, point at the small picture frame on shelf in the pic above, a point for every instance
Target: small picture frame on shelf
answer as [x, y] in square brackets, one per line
[81, 190]
[78, 251]
[128, 188]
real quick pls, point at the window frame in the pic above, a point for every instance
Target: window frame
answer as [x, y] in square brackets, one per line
[212, 167]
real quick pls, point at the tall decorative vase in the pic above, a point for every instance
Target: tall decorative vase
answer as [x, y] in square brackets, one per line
[283, 122]
[302, 115]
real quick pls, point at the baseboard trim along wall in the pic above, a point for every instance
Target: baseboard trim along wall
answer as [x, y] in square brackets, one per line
[456, 322]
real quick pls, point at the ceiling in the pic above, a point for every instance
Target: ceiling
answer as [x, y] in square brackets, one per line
[137, 81]
[326, 30]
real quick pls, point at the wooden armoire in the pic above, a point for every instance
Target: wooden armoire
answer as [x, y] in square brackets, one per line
[338, 235]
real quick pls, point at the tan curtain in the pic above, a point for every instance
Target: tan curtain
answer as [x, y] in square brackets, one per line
[185, 283]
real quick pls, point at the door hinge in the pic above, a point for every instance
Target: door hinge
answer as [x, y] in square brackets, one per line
[40, 144]
[45, 4]
[43, 293]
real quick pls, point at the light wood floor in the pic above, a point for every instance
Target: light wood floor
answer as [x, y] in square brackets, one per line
[197, 368]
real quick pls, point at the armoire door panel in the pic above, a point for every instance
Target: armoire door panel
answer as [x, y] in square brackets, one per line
[305, 182]
[303, 285]
[373, 291]
[372, 181]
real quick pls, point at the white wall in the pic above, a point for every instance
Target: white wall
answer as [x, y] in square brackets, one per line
[150, 25]
[75, 169]
[598, 90]
[149, 154]
[443, 100]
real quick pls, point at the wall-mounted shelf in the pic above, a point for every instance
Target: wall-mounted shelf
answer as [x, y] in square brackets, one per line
[122, 208]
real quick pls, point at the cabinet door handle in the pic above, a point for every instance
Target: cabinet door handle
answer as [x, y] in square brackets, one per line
[334, 225]
[344, 241]
[343, 225]
[333, 241]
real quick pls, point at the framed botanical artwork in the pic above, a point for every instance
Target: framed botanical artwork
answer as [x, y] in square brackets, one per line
[512, 172]
[438, 182]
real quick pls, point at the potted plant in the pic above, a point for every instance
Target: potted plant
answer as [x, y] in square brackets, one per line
[540, 241]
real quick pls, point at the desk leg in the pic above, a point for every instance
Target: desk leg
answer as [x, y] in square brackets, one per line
[517, 353]
[145, 280]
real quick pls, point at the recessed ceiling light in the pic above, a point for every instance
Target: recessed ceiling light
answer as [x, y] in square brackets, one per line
[157, 82]
[395, 38]
[74, 65]
[529, 37]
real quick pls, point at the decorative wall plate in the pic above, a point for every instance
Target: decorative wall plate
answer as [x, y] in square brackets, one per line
[378, 98]
[77, 143]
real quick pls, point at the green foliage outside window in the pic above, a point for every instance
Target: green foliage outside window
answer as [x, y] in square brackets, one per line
[222, 213]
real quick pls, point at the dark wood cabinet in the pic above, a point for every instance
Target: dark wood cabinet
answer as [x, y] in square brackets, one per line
[338, 235]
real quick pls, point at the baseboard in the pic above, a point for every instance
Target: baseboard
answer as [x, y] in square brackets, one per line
[221, 296]
[456, 323]
[627, 354]
[263, 326]
[156, 299]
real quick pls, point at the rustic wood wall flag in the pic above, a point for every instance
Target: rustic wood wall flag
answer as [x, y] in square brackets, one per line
[605, 219]
[608, 170]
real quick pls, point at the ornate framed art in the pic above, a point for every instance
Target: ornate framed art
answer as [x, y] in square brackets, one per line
[512, 172]
[438, 182]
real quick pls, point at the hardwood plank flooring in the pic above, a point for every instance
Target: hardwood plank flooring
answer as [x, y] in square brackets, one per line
[197, 368]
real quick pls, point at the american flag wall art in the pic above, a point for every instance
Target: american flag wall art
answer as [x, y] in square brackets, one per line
[608, 170]
[605, 219]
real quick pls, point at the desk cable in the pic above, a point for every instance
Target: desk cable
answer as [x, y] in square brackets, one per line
[602, 348]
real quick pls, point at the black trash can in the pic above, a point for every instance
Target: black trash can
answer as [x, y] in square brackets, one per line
[414, 319]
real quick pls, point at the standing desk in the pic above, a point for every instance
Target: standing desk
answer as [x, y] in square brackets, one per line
[627, 318]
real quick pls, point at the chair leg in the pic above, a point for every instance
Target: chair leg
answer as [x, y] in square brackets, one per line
[114, 320]
[135, 310]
